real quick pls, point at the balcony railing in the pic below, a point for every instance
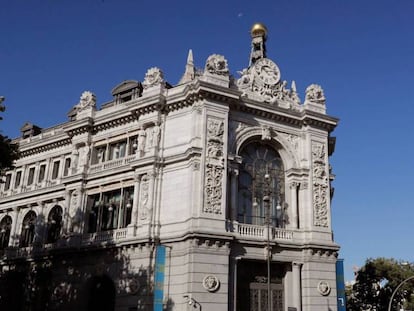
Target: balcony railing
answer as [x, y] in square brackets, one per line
[111, 164]
[255, 231]
[105, 236]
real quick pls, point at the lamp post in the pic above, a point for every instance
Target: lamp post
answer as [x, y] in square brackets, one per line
[266, 201]
[397, 288]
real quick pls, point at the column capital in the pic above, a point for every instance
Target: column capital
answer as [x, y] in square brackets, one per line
[137, 176]
[296, 264]
[294, 184]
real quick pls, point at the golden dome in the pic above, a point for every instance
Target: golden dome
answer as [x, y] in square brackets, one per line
[258, 29]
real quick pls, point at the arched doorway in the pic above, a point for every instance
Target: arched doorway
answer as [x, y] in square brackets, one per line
[101, 294]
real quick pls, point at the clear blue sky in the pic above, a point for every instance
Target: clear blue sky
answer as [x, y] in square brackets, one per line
[360, 51]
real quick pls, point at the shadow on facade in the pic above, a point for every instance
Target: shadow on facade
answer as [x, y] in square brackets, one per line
[67, 275]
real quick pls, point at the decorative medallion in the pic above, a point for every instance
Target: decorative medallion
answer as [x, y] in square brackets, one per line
[324, 288]
[211, 283]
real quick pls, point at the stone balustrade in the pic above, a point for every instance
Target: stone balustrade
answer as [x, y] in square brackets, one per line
[259, 232]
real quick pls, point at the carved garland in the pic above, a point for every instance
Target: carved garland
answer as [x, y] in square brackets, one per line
[320, 186]
[214, 166]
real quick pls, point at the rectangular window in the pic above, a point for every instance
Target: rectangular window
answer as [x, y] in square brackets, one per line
[110, 210]
[67, 167]
[30, 178]
[133, 144]
[117, 150]
[42, 171]
[99, 155]
[18, 179]
[55, 171]
[7, 183]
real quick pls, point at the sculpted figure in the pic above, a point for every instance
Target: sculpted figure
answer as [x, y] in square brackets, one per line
[142, 134]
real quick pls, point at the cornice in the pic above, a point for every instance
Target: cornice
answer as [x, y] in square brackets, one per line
[103, 125]
[45, 147]
[78, 127]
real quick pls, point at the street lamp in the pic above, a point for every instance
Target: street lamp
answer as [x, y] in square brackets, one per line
[266, 201]
[397, 288]
[267, 193]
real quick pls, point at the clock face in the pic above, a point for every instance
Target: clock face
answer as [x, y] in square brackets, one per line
[267, 71]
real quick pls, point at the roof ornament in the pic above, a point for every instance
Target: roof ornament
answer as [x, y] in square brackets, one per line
[216, 71]
[261, 81]
[190, 72]
[87, 99]
[153, 77]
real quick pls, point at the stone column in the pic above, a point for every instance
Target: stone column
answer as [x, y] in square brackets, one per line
[13, 232]
[296, 290]
[294, 205]
[234, 174]
[66, 218]
[40, 227]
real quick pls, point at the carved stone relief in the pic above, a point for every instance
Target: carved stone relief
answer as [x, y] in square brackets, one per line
[87, 99]
[75, 211]
[324, 288]
[262, 81]
[83, 159]
[320, 185]
[266, 133]
[153, 77]
[314, 93]
[144, 198]
[217, 65]
[211, 283]
[292, 139]
[214, 166]
[235, 127]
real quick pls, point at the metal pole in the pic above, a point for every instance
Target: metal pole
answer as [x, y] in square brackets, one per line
[266, 200]
[396, 289]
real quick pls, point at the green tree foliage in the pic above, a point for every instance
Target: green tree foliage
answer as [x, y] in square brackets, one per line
[8, 150]
[376, 281]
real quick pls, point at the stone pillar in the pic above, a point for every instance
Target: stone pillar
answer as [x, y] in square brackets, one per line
[66, 218]
[13, 241]
[294, 205]
[234, 173]
[296, 290]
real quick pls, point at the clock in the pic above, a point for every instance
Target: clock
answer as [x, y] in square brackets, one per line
[267, 71]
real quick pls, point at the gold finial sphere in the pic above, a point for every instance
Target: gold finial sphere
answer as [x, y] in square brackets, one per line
[258, 29]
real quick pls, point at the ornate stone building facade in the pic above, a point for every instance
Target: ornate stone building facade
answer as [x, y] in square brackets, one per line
[230, 175]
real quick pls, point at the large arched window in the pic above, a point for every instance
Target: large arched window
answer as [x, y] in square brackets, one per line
[261, 186]
[5, 228]
[54, 224]
[28, 229]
